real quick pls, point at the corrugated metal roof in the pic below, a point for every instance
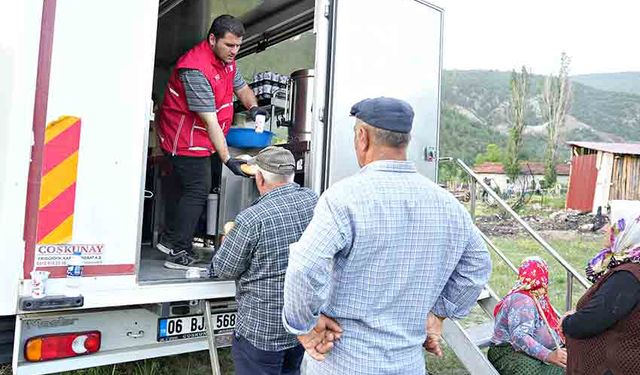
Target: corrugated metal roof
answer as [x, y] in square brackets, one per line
[614, 148]
[526, 167]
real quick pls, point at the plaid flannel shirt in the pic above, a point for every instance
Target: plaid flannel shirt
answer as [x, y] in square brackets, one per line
[256, 253]
[384, 248]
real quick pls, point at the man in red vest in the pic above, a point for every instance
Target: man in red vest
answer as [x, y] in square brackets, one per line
[193, 120]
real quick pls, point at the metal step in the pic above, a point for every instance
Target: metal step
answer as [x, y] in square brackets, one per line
[466, 350]
[466, 343]
[481, 334]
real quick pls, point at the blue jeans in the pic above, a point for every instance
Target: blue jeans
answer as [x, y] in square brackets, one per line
[249, 360]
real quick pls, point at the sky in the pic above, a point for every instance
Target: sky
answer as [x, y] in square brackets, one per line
[598, 36]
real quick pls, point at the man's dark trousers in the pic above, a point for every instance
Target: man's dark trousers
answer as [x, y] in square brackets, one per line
[194, 176]
[249, 360]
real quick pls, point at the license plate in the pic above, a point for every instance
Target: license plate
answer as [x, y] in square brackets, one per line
[186, 327]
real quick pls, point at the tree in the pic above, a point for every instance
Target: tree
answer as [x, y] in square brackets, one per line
[519, 86]
[492, 154]
[556, 99]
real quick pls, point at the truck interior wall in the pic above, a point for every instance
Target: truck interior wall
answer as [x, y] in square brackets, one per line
[178, 30]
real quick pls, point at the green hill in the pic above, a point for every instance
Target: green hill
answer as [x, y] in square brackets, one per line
[627, 82]
[476, 105]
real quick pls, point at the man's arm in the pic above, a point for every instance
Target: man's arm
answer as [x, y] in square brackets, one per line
[201, 100]
[434, 335]
[234, 256]
[243, 91]
[467, 280]
[246, 97]
[307, 281]
[249, 100]
[215, 134]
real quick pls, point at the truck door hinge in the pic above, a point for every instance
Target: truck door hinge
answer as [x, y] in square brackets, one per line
[327, 9]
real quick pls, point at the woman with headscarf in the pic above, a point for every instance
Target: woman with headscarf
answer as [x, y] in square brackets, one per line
[603, 334]
[526, 338]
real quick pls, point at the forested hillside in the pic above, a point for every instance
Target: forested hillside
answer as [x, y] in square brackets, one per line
[475, 113]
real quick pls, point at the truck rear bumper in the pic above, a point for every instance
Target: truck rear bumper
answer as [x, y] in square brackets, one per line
[128, 334]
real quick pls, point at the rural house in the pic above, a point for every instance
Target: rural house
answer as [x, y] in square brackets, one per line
[495, 172]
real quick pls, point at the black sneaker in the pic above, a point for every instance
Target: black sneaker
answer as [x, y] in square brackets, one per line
[165, 249]
[183, 261]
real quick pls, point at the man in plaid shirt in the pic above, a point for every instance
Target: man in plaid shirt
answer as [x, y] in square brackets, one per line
[255, 253]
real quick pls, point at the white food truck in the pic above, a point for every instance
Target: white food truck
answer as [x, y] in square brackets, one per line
[80, 168]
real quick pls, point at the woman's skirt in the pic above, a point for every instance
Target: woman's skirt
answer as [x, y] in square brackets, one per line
[510, 362]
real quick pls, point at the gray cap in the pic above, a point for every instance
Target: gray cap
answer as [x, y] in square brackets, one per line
[385, 113]
[276, 160]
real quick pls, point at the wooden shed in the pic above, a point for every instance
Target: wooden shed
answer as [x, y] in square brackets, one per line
[601, 172]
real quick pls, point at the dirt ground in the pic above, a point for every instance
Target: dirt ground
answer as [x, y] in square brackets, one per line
[560, 223]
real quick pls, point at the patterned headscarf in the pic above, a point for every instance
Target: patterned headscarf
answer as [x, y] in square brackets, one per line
[624, 248]
[533, 281]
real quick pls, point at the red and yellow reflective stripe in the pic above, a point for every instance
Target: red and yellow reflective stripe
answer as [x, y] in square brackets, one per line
[58, 184]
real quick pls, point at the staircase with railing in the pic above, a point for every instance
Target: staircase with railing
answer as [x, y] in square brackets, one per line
[467, 342]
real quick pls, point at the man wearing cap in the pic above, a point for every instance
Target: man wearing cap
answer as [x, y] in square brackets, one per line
[255, 253]
[386, 250]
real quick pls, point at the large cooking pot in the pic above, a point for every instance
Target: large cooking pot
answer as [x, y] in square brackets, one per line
[301, 97]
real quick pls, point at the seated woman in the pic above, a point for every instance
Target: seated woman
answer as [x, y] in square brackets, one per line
[526, 340]
[603, 335]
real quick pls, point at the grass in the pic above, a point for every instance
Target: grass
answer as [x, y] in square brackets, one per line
[575, 248]
[536, 205]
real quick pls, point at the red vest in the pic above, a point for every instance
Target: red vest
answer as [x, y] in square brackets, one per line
[181, 131]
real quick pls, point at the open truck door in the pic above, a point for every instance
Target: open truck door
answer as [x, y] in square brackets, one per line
[382, 48]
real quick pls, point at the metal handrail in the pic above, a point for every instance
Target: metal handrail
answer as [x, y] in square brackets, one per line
[500, 253]
[571, 272]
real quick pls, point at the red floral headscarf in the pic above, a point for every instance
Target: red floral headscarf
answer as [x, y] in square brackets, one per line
[533, 281]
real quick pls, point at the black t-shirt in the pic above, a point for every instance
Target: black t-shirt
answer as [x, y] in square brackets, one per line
[615, 300]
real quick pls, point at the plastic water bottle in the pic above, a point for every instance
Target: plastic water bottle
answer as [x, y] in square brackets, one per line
[260, 120]
[75, 267]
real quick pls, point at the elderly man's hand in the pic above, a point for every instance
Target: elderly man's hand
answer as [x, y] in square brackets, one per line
[319, 342]
[434, 335]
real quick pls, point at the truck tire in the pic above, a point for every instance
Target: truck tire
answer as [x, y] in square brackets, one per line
[7, 326]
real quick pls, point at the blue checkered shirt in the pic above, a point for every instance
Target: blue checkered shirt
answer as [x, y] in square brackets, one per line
[255, 253]
[384, 248]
